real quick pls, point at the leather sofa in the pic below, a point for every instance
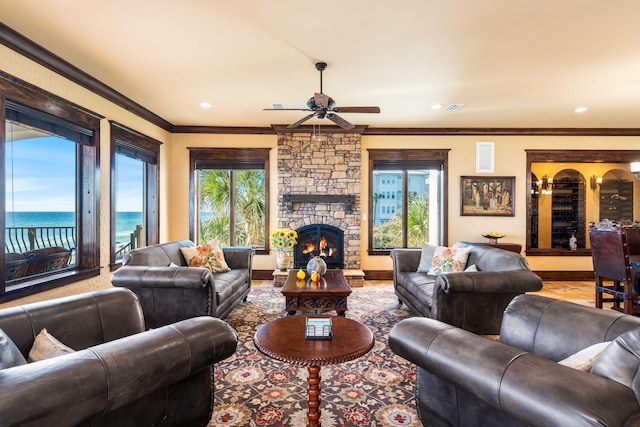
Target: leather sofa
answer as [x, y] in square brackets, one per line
[120, 374]
[472, 300]
[466, 379]
[170, 291]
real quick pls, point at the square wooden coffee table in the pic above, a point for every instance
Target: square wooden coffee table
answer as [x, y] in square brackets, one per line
[328, 293]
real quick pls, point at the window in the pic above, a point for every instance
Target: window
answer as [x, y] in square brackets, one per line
[50, 218]
[134, 191]
[414, 211]
[230, 193]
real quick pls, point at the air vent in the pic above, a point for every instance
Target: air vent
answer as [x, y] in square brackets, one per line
[277, 106]
[454, 107]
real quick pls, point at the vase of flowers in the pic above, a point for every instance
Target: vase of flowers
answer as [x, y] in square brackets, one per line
[283, 240]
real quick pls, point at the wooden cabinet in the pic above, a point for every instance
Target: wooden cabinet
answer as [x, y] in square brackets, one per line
[568, 212]
[616, 200]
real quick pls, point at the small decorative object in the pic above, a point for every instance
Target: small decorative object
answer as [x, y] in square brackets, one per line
[301, 274]
[284, 240]
[318, 328]
[314, 276]
[493, 236]
[573, 243]
[318, 265]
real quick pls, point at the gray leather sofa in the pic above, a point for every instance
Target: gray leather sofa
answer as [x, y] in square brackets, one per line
[471, 300]
[465, 379]
[172, 293]
[120, 375]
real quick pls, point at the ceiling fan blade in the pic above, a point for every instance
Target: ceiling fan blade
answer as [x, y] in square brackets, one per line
[356, 109]
[340, 121]
[299, 122]
[286, 109]
[321, 100]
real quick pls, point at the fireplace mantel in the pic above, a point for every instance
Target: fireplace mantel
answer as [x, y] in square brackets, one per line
[347, 199]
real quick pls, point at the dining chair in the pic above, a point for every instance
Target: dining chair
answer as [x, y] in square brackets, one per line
[614, 274]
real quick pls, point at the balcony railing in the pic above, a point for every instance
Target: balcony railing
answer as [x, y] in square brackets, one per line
[23, 239]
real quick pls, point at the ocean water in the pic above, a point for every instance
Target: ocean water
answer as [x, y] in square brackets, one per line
[125, 221]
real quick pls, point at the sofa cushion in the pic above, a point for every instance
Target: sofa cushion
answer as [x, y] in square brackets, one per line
[47, 346]
[447, 260]
[208, 256]
[10, 354]
[426, 257]
[620, 361]
[419, 286]
[584, 359]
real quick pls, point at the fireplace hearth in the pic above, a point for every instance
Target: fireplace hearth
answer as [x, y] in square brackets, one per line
[323, 240]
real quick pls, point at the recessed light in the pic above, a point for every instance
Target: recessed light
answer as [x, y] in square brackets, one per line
[436, 106]
[205, 105]
[580, 110]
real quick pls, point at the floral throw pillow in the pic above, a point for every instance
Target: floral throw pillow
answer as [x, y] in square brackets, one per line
[447, 260]
[208, 256]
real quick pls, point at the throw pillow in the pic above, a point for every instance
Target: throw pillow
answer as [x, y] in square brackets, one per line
[585, 358]
[217, 249]
[47, 346]
[447, 260]
[10, 354]
[426, 257]
[208, 256]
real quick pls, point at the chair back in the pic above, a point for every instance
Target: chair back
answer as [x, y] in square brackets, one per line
[610, 254]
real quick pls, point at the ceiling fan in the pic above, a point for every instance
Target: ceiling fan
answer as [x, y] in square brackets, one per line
[323, 106]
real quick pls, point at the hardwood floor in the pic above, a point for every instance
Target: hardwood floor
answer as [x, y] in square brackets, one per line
[580, 292]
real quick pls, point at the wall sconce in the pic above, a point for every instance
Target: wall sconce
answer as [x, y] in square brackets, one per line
[596, 181]
[635, 170]
[546, 184]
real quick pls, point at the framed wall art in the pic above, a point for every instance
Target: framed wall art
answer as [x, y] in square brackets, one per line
[487, 196]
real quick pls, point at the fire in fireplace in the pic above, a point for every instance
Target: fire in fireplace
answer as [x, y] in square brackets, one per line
[321, 240]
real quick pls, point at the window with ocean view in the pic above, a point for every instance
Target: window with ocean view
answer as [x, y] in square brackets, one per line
[129, 205]
[134, 191]
[50, 220]
[231, 190]
[40, 221]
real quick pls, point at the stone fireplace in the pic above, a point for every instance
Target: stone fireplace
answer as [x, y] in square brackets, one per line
[319, 182]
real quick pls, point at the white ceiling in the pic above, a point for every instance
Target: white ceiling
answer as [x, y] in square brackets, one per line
[512, 63]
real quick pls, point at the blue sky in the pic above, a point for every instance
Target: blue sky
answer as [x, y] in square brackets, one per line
[41, 177]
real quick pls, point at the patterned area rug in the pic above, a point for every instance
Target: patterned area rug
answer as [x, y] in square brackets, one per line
[375, 390]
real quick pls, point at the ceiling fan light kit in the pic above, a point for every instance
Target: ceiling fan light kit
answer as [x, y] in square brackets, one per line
[323, 106]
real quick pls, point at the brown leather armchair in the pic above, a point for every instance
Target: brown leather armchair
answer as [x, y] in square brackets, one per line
[464, 379]
[120, 375]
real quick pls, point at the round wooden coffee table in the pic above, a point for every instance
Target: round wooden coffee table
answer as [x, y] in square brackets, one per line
[284, 339]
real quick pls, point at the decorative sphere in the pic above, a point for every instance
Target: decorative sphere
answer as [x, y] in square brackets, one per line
[301, 274]
[315, 276]
[317, 264]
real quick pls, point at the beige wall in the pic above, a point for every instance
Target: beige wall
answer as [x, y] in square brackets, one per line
[174, 175]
